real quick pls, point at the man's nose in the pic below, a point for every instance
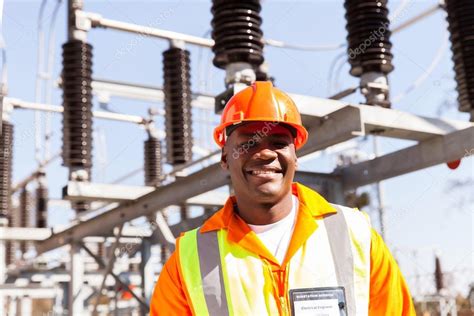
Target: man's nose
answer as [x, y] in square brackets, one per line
[265, 153]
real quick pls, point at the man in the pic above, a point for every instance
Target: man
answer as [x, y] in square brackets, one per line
[277, 247]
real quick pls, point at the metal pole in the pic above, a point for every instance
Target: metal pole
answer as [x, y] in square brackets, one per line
[116, 277]
[146, 273]
[59, 109]
[76, 299]
[99, 21]
[26, 306]
[109, 267]
[379, 190]
[74, 6]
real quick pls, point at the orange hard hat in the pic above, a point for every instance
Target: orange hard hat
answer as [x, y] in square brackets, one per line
[261, 102]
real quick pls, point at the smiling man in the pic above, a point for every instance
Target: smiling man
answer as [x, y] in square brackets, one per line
[277, 247]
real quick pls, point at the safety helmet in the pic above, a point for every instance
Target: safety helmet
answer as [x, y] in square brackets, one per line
[261, 102]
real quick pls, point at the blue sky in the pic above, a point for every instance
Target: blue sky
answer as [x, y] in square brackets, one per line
[423, 212]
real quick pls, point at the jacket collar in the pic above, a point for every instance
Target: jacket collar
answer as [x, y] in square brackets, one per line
[309, 201]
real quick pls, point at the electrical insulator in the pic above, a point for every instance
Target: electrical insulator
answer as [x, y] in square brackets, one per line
[177, 90]
[164, 254]
[461, 26]
[184, 212]
[134, 267]
[369, 47]
[236, 31]
[438, 275]
[6, 147]
[238, 45]
[25, 215]
[101, 250]
[10, 252]
[77, 102]
[41, 206]
[11, 246]
[153, 161]
[81, 206]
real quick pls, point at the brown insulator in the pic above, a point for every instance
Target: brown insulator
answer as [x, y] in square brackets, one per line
[153, 161]
[237, 33]
[77, 102]
[461, 28]
[6, 154]
[25, 216]
[41, 206]
[369, 46]
[177, 90]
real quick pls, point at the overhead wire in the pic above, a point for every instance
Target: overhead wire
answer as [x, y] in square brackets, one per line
[4, 75]
[39, 80]
[281, 44]
[49, 77]
[332, 66]
[426, 73]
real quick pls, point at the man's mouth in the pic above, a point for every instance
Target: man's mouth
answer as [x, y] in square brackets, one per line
[264, 172]
[257, 172]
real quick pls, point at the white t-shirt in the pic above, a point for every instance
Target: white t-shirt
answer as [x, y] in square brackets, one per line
[276, 237]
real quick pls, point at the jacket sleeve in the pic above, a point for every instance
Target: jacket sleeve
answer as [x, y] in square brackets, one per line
[169, 297]
[389, 294]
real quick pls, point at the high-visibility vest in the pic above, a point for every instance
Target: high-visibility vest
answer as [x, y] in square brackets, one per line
[223, 278]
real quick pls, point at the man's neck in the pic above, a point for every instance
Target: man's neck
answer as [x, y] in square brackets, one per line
[256, 213]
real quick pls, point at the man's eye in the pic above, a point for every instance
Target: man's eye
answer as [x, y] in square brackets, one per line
[248, 144]
[280, 144]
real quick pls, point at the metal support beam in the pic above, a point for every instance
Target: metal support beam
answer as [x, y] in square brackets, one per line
[146, 272]
[164, 233]
[101, 264]
[105, 88]
[32, 290]
[26, 306]
[437, 150]
[85, 191]
[108, 269]
[130, 235]
[20, 104]
[76, 296]
[24, 233]
[336, 127]
[377, 120]
[96, 20]
[182, 189]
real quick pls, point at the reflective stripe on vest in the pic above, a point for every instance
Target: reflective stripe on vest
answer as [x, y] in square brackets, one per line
[207, 279]
[211, 273]
[340, 243]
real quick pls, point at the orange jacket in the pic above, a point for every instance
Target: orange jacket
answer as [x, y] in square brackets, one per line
[389, 294]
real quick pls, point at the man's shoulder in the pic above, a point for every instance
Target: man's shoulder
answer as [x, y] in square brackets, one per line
[203, 223]
[353, 214]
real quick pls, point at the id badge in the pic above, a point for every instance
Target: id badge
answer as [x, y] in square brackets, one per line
[320, 301]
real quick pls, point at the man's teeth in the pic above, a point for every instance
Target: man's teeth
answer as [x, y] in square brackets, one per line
[255, 172]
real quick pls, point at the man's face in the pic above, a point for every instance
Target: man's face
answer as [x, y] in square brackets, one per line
[261, 160]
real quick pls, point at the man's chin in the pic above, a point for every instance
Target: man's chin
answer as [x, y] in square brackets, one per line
[267, 191]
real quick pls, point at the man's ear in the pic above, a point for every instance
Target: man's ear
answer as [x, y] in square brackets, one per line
[224, 164]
